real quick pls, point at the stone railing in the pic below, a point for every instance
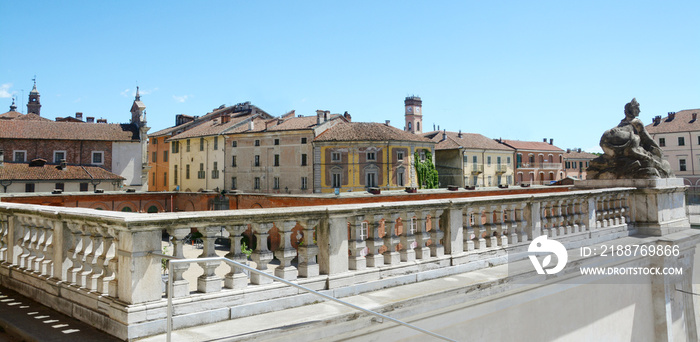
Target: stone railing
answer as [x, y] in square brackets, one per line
[97, 265]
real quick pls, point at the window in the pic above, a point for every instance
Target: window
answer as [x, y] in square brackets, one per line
[234, 184]
[303, 159]
[335, 156]
[682, 164]
[233, 161]
[165, 179]
[175, 175]
[256, 186]
[277, 142]
[83, 187]
[188, 145]
[60, 186]
[489, 181]
[474, 159]
[165, 156]
[662, 142]
[698, 139]
[187, 171]
[257, 160]
[371, 179]
[371, 156]
[154, 157]
[509, 179]
[98, 157]
[488, 160]
[681, 141]
[276, 183]
[277, 160]
[399, 156]
[336, 179]
[257, 142]
[303, 140]
[567, 165]
[519, 160]
[155, 141]
[234, 144]
[216, 143]
[201, 144]
[215, 171]
[29, 187]
[304, 183]
[20, 156]
[399, 177]
[175, 146]
[201, 174]
[58, 156]
[508, 160]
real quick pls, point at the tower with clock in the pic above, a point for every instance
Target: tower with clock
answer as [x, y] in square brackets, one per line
[414, 114]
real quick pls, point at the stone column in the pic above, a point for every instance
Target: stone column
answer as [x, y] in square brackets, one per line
[333, 245]
[374, 243]
[422, 236]
[391, 256]
[454, 230]
[181, 287]
[408, 239]
[468, 230]
[236, 278]
[357, 243]
[436, 234]
[138, 276]
[261, 255]
[209, 281]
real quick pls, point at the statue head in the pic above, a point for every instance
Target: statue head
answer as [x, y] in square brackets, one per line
[632, 109]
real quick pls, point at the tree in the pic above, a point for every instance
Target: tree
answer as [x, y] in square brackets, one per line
[425, 171]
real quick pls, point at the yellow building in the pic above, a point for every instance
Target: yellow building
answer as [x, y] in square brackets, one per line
[358, 155]
[470, 159]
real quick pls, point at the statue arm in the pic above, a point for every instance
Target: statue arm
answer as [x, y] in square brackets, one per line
[647, 141]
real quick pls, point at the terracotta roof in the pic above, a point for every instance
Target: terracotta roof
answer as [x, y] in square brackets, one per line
[467, 140]
[45, 130]
[531, 145]
[32, 116]
[235, 113]
[579, 155]
[367, 131]
[215, 127]
[682, 122]
[23, 172]
[10, 115]
[169, 130]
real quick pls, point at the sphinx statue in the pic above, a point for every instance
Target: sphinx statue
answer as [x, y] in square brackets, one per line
[629, 151]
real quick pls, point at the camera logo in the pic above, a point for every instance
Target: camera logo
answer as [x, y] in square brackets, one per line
[541, 245]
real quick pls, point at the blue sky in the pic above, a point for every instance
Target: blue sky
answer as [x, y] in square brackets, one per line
[520, 70]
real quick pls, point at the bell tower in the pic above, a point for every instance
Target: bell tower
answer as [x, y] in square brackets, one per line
[34, 105]
[414, 114]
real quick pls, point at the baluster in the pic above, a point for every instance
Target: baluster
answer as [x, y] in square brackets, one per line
[598, 212]
[357, 244]
[575, 213]
[560, 225]
[88, 259]
[512, 223]
[436, 234]
[468, 229]
[74, 252]
[547, 219]
[624, 210]
[112, 278]
[46, 264]
[307, 265]
[607, 212]
[391, 256]
[524, 228]
[374, 243]
[99, 267]
[28, 255]
[618, 210]
[235, 278]
[209, 281]
[261, 255]
[103, 261]
[408, 238]
[489, 228]
[285, 253]
[39, 247]
[4, 232]
[480, 229]
[422, 251]
[501, 226]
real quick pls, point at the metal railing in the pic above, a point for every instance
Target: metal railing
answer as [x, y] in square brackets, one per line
[173, 260]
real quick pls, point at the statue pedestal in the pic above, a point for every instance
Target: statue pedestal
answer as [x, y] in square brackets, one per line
[657, 205]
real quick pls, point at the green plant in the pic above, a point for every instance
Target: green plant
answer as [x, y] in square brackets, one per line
[425, 171]
[245, 250]
[163, 261]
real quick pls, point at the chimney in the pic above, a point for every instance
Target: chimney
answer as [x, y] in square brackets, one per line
[79, 115]
[695, 117]
[671, 116]
[64, 165]
[101, 120]
[347, 116]
[551, 141]
[387, 122]
[444, 135]
[657, 120]
[90, 119]
[460, 133]
[579, 150]
[319, 117]
[568, 150]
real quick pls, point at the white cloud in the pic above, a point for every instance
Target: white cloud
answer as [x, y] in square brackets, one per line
[125, 93]
[5, 90]
[181, 99]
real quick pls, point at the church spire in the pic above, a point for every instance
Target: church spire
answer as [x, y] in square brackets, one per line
[138, 97]
[34, 104]
[13, 107]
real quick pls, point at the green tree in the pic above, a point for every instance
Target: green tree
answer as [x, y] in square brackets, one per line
[425, 170]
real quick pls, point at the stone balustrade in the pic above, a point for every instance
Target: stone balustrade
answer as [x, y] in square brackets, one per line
[100, 261]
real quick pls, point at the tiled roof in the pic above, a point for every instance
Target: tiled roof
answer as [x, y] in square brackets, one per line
[531, 145]
[294, 123]
[579, 155]
[367, 131]
[32, 116]
[10, 115]
[453, 140]
[169, 130]
[237, 113]
[682, 122]
[32, 129]
[24, 172]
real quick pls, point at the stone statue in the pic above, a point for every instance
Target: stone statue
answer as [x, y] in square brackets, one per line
[629, 151]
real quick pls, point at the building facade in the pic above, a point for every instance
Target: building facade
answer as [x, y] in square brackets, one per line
[470, 159]
[678, 135]
[536, 163]
[576, 162]
[357, 156]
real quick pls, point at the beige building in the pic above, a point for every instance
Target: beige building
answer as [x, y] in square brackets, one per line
[275, 155]
[576, 162]
[678, 135]
[470, 159]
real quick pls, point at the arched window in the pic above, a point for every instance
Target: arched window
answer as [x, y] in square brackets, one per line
[152, 209]
[127, 209]
[418, 126]
[409, 126]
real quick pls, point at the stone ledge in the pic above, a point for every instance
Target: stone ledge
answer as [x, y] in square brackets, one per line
[635, 183]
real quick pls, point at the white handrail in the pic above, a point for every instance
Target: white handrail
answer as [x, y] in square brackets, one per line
[174, 260]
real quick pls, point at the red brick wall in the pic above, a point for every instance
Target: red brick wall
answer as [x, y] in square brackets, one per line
[77, 152]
